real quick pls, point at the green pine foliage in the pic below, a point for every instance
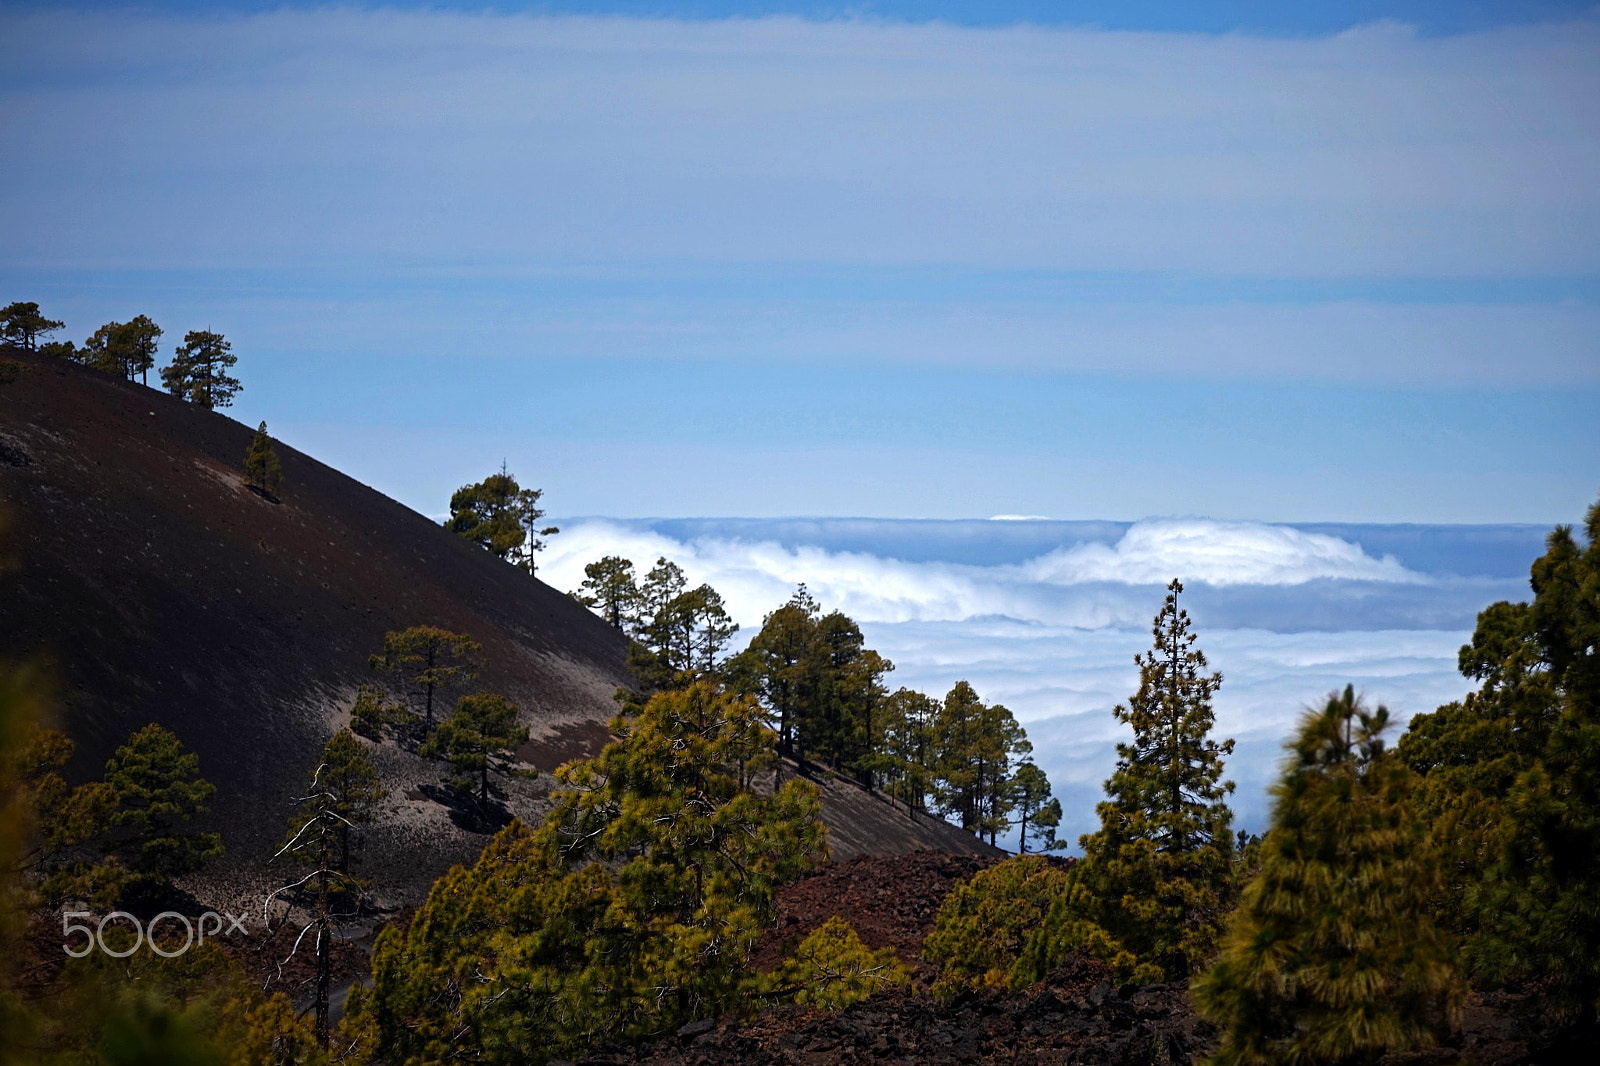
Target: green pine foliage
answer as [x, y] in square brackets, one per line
[904, 747]
[262, 470]
[158, 788]
[1333, 955]
[609, 587]
[831, 969]
[198, 372]
[501, 517]
[823, 692]
[631, 911]
[780, 667]
[354, 791]
[1167, 787]
[986, 923]
[425, 662]
[1038, 815]
[373, 712]
[21, 324]
[678, 633]
[977, 745]
[122, 349]
[482, 735]
[1157, 879]
[1512, 780]
[63, 818]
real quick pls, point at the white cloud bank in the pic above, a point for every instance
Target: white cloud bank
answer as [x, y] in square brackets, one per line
[1054, 638]
[754, 576]
[1217, 553]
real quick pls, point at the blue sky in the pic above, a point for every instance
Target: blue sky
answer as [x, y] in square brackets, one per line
[1251, 261]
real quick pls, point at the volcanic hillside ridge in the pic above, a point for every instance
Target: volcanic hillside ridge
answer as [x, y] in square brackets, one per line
[155, 586]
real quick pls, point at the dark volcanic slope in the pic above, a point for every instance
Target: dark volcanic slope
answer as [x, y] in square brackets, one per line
[163, 590]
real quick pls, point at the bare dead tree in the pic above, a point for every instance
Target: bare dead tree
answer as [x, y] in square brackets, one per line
[317, 840]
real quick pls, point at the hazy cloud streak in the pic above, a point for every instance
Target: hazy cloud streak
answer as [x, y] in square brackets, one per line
[433, 137]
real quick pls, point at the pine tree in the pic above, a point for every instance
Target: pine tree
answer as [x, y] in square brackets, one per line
[986, 923]
[344, 793]
[501, 517]
[22, 324]
[1038, 814]
[122, 349]
[354, 789]
[609, 587]
[906, 746]
[262, 470]
[1512, 781]
[1333, 955]
[1168, 786]
[63, 817]
[687, 633]
[480, 736]
[199, 370]
[977, 745]
[1158, 877]
[781, 667]
[373, 711]
[158, 785]
[428, 661]
[849, 695]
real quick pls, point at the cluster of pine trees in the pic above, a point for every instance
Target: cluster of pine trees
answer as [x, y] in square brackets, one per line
[198, 372]
[822, 690]
[420, 668]
[116, 839]
[1392, 878]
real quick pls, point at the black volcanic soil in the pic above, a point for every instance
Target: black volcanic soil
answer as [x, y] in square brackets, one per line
[162, 590]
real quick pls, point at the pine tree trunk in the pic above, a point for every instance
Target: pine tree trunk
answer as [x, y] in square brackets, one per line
[324, 936]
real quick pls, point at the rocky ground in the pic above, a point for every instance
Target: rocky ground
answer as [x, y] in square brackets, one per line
[890, 903]
[1076, 1015]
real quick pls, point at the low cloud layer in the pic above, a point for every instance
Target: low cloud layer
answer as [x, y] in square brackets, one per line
[1217, 553]
[1054, 636]
[1081, 584]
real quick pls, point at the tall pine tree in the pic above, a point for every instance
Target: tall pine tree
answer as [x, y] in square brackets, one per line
[1333, 955]
[1512, 780]
[1158, 877]
[199, 370]
[428, 661]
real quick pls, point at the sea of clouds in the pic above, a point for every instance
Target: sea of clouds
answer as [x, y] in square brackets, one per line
[1046, 617]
